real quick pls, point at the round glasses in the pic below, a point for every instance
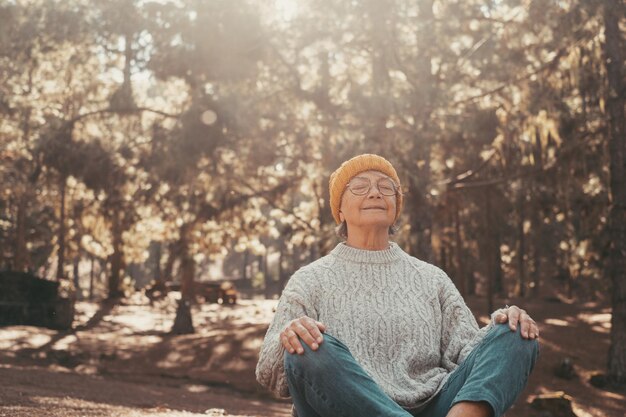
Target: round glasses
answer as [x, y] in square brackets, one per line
[361, 186]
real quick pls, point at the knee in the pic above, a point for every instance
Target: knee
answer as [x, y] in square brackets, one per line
[512, 343]
[313, 361]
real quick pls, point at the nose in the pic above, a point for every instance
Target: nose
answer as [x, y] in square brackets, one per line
[374, 192]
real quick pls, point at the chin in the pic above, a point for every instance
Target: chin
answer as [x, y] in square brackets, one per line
[384, 224]
[377, 218]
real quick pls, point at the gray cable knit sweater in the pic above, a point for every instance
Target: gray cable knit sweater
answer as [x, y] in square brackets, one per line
[402, 319]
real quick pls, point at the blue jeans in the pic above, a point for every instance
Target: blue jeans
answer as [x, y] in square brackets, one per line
[330, 383]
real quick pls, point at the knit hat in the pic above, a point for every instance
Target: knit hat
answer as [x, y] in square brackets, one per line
[350, 168]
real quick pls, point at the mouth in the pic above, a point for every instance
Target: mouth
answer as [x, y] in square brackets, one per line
[374, 208]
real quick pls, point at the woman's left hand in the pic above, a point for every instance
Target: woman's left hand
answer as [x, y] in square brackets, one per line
[515, 315]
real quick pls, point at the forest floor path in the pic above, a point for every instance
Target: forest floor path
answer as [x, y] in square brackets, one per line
[120, 361]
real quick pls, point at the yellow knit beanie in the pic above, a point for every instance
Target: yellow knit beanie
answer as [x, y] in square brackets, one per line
[340, 178]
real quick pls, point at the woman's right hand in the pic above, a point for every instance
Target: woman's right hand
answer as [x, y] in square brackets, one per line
[305, 328]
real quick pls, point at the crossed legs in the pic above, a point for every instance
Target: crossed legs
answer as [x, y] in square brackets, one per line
[329, 382]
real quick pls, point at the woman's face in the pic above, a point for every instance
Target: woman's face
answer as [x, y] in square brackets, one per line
[373, 209]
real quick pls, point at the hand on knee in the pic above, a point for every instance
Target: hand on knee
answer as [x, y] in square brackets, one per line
[311, 362]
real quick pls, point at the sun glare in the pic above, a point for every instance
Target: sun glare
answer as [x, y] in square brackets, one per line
[287, 9]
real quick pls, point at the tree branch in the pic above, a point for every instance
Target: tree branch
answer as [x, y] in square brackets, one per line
[131, 110]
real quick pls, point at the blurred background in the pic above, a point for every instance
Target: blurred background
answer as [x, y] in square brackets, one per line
[164, 169]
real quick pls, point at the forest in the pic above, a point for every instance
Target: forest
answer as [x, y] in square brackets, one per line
[147, 145]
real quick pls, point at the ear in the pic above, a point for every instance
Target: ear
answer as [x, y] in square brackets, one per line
[342, 218]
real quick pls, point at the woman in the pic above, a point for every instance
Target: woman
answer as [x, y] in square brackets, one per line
[370, 331]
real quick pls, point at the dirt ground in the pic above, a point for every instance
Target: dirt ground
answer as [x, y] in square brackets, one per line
[120, 361]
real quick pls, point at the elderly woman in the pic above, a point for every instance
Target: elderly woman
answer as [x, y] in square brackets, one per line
[370, 331]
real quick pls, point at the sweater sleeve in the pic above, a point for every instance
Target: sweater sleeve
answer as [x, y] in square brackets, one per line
[459, 330]
[295, 301]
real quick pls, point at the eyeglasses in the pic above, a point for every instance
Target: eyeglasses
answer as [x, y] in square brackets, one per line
[361, 186]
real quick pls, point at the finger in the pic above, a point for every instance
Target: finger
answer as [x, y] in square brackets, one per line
[501, 317]
[305, 335]
[285, 342]
[313, 335]
[534, 330]
[316, 330]
[321, 326]
[514, 314]
[294, 341]
[525, 323]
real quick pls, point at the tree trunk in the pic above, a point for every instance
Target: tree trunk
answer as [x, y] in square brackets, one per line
[91, 276]
[537, 223]
[117, 260]
[537, 253]
[172, 255]
[158, 253]
[498, 284]
[244, 267]
[613, 49]
[267, 279]
[21, 253]
[61, 237]
[460, 261]
[496, 233]
[21, 262]
[420, 206]
[77, 214]
[283, 275]
[183, 323]
[521, 252]
[188, 269]
[378, 13]
[443, 257]
[566, 266]
[537, 234]
[420, 211]
[76, 277]
[489, 250]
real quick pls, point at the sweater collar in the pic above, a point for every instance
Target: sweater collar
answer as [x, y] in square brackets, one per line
[363, 256]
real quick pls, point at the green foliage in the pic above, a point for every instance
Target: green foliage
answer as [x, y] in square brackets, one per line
[213, 126]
